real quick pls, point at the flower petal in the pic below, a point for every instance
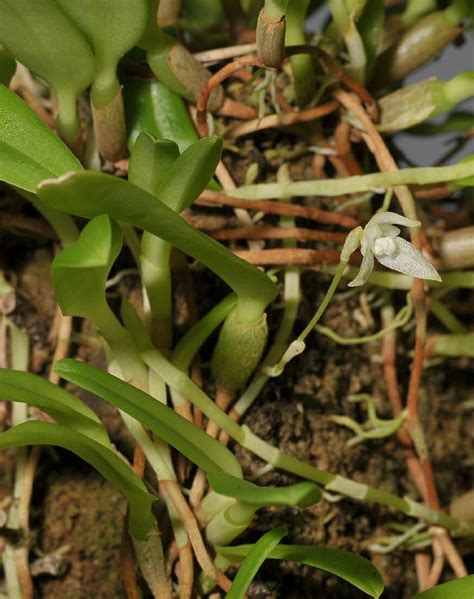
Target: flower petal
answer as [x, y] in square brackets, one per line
[392, 218]
[365, 269]
[389, 230]
[369, 237]
[410, 261]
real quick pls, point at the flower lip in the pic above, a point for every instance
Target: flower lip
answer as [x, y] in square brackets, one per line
[385, 246]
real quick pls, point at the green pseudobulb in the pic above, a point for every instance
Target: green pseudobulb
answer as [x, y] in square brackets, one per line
[238, 351]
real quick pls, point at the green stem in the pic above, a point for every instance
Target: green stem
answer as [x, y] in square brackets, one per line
[12, 555]
[455, 12]
[132, 369]
[183, 385]
[326, 299]
[357, 184]
[63, 224]
[354, 44]
[156, 277]
[106, 85]
[301, 65]
[297, 346]
[68, 123]
[276, 9]
[459, 88]
[415, 9]
[133, 242]
[291, 298]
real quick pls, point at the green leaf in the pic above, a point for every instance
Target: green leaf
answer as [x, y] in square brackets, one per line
[455, 122]
[90, 194]
[299, 495]
[467, 181]
[254, 559]
[7, 67]
[192, 442]
[151, 161]
[64, 407]
[112, 28]
[348, 566]
[176, 180]
[461, 588]
[187, 347]
[371, 27]
[29, 150]
[104, 460]
[42, 37]
[80, 271]
[190, 173]
[154, 107]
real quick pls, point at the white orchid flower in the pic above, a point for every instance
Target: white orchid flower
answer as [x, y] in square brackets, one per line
[380, 238]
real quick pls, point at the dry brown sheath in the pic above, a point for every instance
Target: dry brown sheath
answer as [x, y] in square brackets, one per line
[168, 12]
[186, 68]
[109, 129]
[271, 40]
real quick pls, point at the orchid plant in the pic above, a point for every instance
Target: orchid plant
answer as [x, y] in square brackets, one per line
[168, 169]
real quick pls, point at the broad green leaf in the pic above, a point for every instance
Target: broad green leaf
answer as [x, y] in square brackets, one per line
[104, 460]
[348, 566]
[44, 39]
[29, 150]
[151, 161]
[112, 28]
[190, 173]
[253, 560]
[64, 407]
[461, 588]
[300, 494]
[192, 442]
[7, 67]
[154, 107]
[90, 194]
[80, 271]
